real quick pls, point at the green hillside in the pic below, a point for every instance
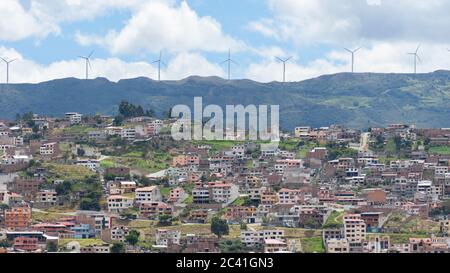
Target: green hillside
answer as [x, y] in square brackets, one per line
[356, 100]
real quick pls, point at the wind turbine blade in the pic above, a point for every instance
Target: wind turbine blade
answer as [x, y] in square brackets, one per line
[234, 62]
[418, 58]
[92, 52]
[289, 58]
[348, 50]
[417, 50]
[356, 50]
[279, 59]
[226, 61]
[3, 60]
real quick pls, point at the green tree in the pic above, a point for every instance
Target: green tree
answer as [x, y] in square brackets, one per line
[232, 246]
[219, 227]
[165, 220]
[118, 247]
[52, 246]
[5, 244]
[133, 237]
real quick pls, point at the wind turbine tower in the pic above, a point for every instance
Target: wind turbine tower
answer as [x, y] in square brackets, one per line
[284, 61]
[159, 61]
[416, 57]
[229, 61]
[353, 52]
[7, 68]
[88, 63]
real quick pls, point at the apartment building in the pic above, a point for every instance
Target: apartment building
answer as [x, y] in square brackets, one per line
[354, 228]
[148, 195]
[18, 218]
[46, 198]
[118, 203]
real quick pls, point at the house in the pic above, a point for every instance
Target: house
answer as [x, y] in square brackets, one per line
[224, 193]
[25, 244]
[128, 134]
[28, 187]
[177, 195]
[117, 172]
[252, 238]
[83, 231]
[196, 244]
[275, 246]
[49, 149]
[185, 160]
[91, 164]
[18, 218]
[290, 197]
[118, 203]
[45, 198]
[239, 213]
[74, 118]
[200, 196]
[118, 233]
[147, 195]
[96, 249]
[121, 187]
[164, 237]
[337, 245]
[155, 210]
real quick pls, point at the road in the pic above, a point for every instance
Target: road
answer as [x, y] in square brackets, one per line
[365, 141]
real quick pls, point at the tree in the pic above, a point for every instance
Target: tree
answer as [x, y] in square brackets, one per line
[165, 220]
[219, 227]
[118, 120]
[81, 152]
[232, 246]
[243, 226]
[133, 237]
[64, 188]
[5, 244]
[52, 247]
[118, 247]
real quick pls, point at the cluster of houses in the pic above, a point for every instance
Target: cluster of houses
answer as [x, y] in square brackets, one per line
[348, 197]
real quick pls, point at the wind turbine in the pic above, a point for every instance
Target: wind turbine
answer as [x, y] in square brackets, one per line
[229, 61]
[416, 57]
[88, 63]
[7, 68]
[159, 61]
[284, 61]
[353, 57]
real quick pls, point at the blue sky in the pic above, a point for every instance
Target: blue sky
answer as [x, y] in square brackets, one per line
[46, 36]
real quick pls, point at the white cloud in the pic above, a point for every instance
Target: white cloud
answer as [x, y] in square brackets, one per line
[181, 66]
[174, 28]
[22, 19]
[16, 23]
[330, 21]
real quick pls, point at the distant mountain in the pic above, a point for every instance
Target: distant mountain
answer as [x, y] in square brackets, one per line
[355, 100]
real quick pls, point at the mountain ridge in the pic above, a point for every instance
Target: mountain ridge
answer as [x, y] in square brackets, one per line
[357, 100]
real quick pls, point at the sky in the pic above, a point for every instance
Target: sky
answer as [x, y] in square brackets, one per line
[46, 37]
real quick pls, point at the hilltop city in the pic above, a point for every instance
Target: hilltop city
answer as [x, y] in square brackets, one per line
[121, 184]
